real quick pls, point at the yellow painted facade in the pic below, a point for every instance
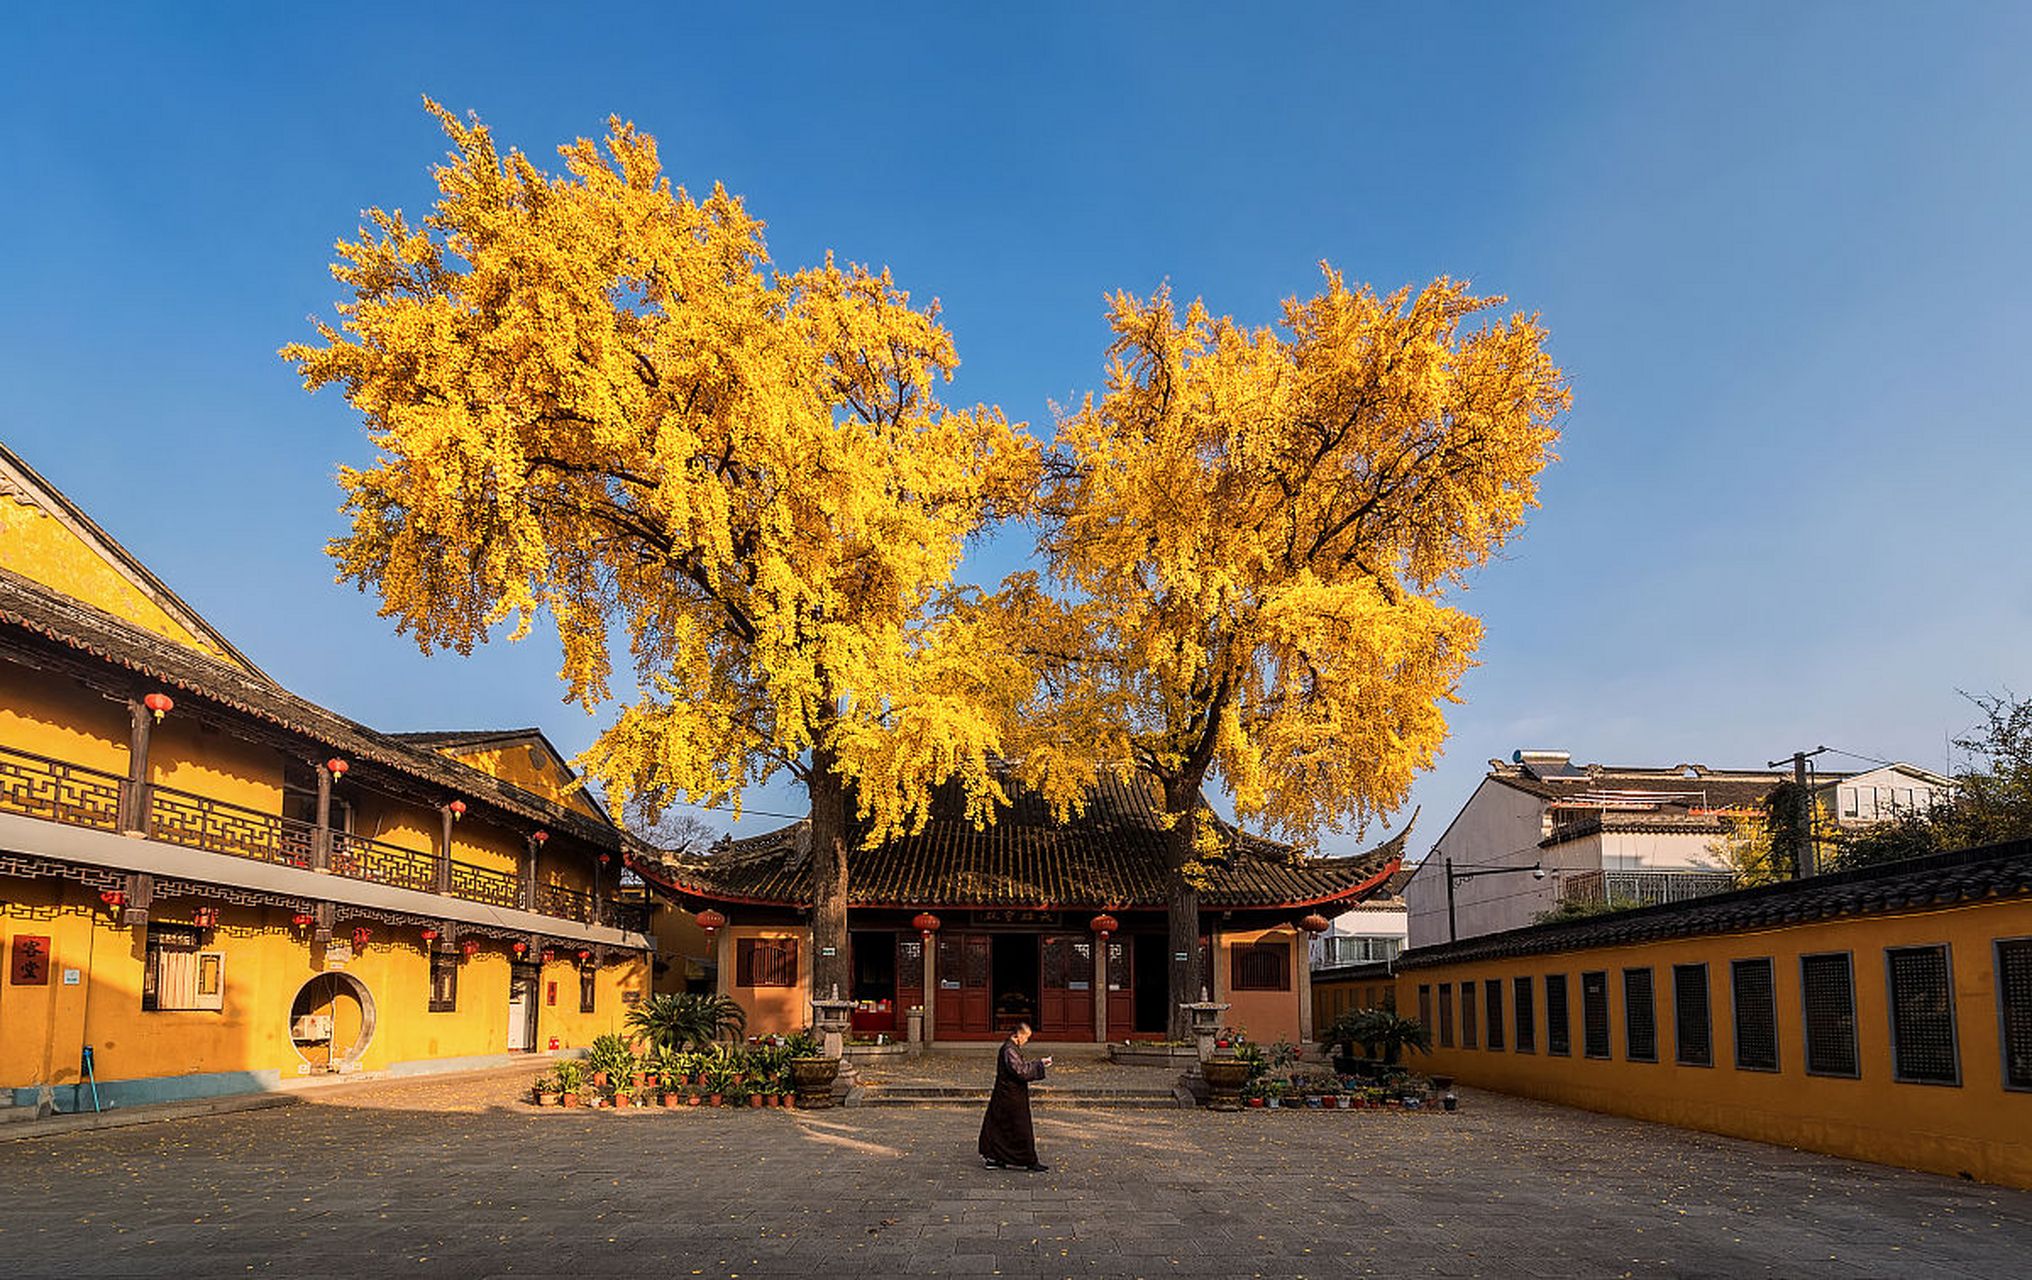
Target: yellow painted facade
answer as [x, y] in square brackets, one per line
[1267, 1016]
[532, 767]
[1977, 1127]
[39, 547]
[783, 1010]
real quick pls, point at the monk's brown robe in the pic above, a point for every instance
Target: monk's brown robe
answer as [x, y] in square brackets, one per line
[1005, 1131]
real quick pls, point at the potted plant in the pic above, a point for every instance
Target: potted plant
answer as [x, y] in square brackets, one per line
[545, 1090]
[1225, 1078]
[571, 1083]
[610, 1060]
[623, 1097]
[715, 1087]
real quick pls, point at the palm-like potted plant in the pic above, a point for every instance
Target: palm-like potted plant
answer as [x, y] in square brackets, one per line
[571, 1083]
[683, 1020]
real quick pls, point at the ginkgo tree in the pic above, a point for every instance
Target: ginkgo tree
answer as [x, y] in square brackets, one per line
[594, 401]
[1250, 541]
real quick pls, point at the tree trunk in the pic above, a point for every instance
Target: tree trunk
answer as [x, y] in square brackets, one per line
[1188, 981]
[829, 837]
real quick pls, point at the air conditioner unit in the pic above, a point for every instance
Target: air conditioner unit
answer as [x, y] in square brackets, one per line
[316, 1026]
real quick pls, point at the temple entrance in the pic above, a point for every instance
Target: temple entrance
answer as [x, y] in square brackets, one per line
[522, 980]
[1066, 1004]
[1015, 976]
[963, 998]
[1150, 970]
[331, 1022]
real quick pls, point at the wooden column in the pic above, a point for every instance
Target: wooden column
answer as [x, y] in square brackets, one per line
[1100, 982]
[930, 988]
[723, 960]
[134, 803]
[527, 893]
[321, 839]
[1302, 949]
[444, 850]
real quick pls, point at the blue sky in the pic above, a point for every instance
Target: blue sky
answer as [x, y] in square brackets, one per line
[1781, 251]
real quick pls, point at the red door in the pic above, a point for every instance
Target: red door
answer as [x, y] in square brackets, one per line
[909, 978]
[1121, 993]
[963, 985]
[1066, 996]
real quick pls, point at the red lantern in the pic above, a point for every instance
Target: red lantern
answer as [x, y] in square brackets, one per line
[1315, 923]
[458, 809]
[471, 946]
[521, 947]
[430, 935]
[159, 703]
[1104, 924]
[710, 920]
[303, 919]
[114, 897]
[606, 858]
[585, 956]
[360, 937]
[549, 955]
[205, 917]
[925, 923]
[538, 837]
[336, 767]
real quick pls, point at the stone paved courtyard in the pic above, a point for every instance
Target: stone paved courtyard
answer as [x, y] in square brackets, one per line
[454, 1177]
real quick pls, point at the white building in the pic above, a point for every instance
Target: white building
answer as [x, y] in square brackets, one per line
[1372, 933]
[1645, 834]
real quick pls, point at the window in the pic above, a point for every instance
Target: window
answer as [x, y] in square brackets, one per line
[1446, 1015]
[1594, 1013]
[1341, 949]
[1756, 1002]
[1558, 1028]
[1527, 1017]
[1640, 1017]
[1848, 802]
[1921, 982]
[444, 982]
[589, 988]
[1470, 1032]
[1425, 1004]
[1492, 1000]
[178, 975]
[2014, 1009]
[1692, 1029]
[1828, 988]
[1260, 966]
[767, 962]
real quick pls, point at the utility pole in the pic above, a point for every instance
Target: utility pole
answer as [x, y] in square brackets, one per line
[1801, 843]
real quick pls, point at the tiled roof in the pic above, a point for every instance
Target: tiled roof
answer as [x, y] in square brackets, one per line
[1943, 880]
[29, 611]
[1110, 857]
[1708, 789]
[1660, 821]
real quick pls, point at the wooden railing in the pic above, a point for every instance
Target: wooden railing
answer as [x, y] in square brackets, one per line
[53, 790]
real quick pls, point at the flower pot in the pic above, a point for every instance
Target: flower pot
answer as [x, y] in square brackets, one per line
[1257, 1104]
[786, 1099]
[568, 1099]
[754, 1101]
[546, 1099]
[641, 1081]
[1276, 1104]
[672, 1100]
[714, 1100]
[691, 1100]
[1450, 1102]
[623, 1100]
[599, 1079]
[814, 1077]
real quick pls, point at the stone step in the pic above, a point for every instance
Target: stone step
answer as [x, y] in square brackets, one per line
[16, 1113]
[970, 1096]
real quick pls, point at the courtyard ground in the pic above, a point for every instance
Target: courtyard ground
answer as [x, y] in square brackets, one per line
[457, 1177]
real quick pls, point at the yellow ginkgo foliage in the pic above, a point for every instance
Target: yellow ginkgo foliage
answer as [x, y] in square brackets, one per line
[593, 400]
[1250, 538]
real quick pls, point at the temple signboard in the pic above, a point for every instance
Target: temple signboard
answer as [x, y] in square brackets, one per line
[1008, 915]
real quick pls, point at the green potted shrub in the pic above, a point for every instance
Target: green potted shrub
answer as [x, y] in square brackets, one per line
[571, 1083]
[717, 1081]
[544, 1092]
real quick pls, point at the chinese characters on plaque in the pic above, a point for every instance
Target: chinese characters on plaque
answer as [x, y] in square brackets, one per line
[30, 961]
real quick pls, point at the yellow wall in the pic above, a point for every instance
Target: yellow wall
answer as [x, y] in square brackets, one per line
[42, 1028]
[54, 716]
[1268, 1016]
[1332, 999]
[34, 545]
[678, 941]
[512, 764]
[770, 1009]
[1978, 1127]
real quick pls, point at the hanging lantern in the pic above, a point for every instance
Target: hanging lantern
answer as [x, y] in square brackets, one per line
[711, 921]
[549, 954]
[303, 919]
[606, 858]
[471, 946]
[160, 704]
[336, 766]
[1104, 924]
[520, 948]
[205, 917]
[538, 837]
[585, 956]
[1315, 923]
[360, 937]
[925, 923]
[458, 809]
[430, 935]
[115, 898]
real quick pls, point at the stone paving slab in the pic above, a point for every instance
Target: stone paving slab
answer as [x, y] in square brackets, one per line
[457, 1178]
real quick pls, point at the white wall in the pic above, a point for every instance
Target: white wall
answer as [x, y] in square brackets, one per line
[1881, 794]
[1361, 924]
[1498, 826]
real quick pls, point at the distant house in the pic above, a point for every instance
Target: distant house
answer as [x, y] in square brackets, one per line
[1370, 932]
[1635, 833]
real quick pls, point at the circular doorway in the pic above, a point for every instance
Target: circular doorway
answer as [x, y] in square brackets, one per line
[331, 1022]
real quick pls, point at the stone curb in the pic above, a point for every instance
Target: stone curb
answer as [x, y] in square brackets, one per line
[154, 1113]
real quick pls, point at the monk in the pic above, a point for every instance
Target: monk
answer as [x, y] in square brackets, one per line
[1006, 1136]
